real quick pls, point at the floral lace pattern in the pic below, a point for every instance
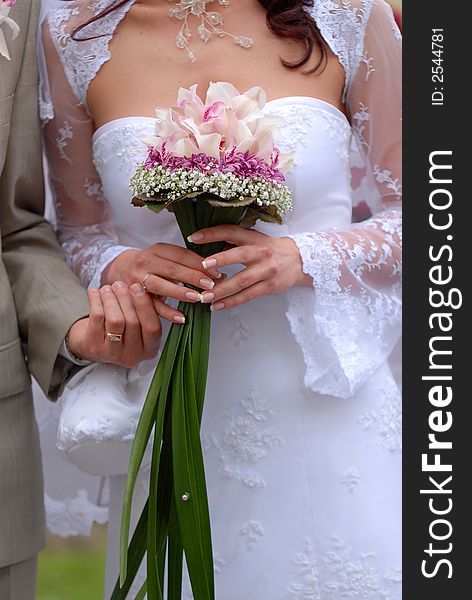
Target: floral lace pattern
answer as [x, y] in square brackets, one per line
[252, 532]
[339, 130]
[386, 420]
[342, 25]
[65, 134]
[73, 516]
[239, 330]
[125, 144]
[93, 257]
[298, 120]
[338, 573]
[351, 479]
[82, 60]
[342, 271]
[361, 119]
[46, 110]
[246, 440]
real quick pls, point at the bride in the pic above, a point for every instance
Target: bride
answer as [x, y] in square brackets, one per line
[302, 426]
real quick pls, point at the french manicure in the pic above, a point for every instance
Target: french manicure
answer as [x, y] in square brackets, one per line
[209, 284]
[193, 296]
[118, 285]
[209, 262]
[207, 297]
[217, 306]
[195, 237]
[178, 319]
[137, 289]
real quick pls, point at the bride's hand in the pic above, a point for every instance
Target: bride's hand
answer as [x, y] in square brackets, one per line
[273, 265]
[118, 310]
[163, 265]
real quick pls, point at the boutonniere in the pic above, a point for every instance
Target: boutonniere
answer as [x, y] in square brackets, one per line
[5, 6]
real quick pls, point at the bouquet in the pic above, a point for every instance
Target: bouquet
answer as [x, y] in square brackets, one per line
[211, 163]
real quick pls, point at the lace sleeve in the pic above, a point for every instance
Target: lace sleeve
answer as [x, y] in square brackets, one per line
[84, 221]
[349, 324]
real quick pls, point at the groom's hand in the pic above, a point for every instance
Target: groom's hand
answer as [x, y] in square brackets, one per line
[122, 327]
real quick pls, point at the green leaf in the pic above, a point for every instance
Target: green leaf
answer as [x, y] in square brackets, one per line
[142, 592]
[176, 556]
[184, 212]
[157, 395]
[177, 336]
[200, 350]
[155, 206]
[143, 431]
[269, 214]
[189, 478]
[154, 584]
[233, 203]
[174, 406]
[136, 551]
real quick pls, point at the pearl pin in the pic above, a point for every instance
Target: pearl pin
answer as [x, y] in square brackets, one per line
[185, 497]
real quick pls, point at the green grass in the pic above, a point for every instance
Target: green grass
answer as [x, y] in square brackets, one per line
[72, 569]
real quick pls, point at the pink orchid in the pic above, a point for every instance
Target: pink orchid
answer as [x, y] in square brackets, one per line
[226, 122]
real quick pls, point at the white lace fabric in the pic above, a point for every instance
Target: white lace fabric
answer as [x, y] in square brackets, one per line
[85, 228]
[349, 322]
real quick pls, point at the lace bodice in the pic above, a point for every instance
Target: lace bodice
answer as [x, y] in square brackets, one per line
[348, 324]
[341, 22]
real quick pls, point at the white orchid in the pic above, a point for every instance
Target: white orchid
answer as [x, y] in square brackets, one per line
[5, 7]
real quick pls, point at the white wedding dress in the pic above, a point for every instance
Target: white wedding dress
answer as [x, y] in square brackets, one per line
[302, 419]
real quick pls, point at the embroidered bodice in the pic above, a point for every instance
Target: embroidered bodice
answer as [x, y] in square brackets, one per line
[348, 324]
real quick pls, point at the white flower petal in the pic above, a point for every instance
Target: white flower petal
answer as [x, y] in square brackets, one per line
[209, 144]
[187, 94]
[221, 92]
[182, 147]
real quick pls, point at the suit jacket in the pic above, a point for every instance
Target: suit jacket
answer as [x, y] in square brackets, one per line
[40, 298]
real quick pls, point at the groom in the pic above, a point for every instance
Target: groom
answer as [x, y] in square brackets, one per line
[40, 302]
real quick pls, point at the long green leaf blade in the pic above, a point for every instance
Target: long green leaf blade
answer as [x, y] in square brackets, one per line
[143, 432]
[158, 390]
[189, 478]
[176, 555]
[136, 551]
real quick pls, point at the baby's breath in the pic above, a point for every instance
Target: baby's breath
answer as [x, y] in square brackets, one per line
[172, 185]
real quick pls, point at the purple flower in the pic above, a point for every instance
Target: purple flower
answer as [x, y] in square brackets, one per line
[241, 164]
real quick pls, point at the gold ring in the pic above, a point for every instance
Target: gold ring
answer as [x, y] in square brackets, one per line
[143, 282]
[114, 337]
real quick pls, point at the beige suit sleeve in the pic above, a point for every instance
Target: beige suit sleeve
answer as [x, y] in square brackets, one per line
[48, 296]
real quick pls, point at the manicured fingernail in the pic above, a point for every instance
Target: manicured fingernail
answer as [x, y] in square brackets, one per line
[214, 273]
[178, 319]
[119, 285]
[195, 237]
[209, 284]
[193, 296]
[207, 297]
[217, 306]
[106, 288]
[137, 289]
[209, 262]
